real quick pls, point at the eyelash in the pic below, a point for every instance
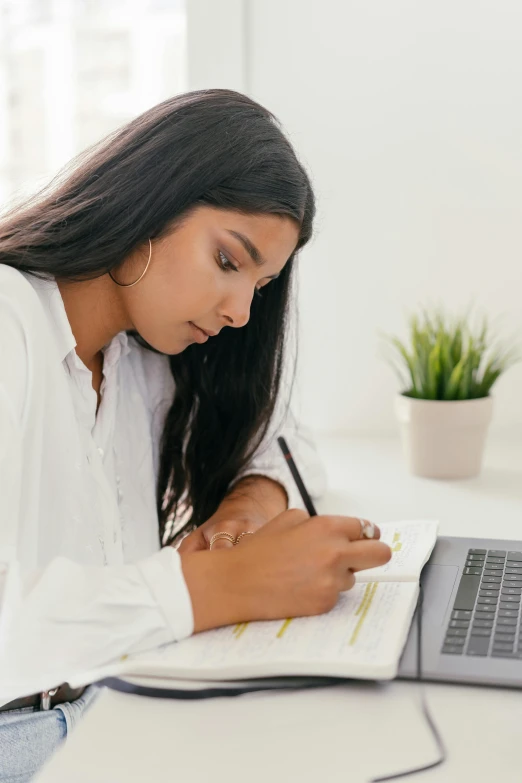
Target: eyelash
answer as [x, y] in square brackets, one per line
[227, 266]
[225, 263]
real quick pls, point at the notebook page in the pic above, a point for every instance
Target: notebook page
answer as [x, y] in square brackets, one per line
[362, 636]
[411, 544]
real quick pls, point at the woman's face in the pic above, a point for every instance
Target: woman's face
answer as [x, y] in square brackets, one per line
[202, 275]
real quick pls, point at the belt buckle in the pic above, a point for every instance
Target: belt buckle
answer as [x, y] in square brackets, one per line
[45, 698]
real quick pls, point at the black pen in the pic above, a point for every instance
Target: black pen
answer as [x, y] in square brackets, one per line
[307, 500]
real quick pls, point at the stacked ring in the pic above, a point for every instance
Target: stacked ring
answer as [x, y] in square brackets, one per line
[246, 533]
[227, 536]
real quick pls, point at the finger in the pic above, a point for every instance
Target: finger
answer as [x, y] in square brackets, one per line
[231, 526]
[369, 530]
[367, 554]
[350, 527]
[284, 521]
[194, 542]
[245, 536]
[222, 543]
[347, 580]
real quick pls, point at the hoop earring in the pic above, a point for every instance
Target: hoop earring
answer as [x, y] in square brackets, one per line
[129, 285]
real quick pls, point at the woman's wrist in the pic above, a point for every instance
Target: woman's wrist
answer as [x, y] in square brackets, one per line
[213, 589]
[216, 580]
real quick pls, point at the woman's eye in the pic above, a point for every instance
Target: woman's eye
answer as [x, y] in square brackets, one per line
[225, 264]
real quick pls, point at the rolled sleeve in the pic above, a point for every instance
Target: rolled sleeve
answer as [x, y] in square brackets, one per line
[86, 618]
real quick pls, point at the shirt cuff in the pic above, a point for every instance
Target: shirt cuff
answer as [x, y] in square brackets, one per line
[164, 577]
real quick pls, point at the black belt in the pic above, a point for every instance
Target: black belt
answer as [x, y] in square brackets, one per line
[45, 700]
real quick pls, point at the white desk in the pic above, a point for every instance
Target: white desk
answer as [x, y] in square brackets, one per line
[345, 734]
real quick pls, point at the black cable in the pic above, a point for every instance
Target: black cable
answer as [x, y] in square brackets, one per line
[425, 710]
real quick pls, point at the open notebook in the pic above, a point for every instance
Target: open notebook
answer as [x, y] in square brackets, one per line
[361, 637]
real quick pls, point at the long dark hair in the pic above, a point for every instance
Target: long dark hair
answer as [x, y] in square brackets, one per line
[214, 147]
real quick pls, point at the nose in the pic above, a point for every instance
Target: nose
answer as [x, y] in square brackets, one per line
[236, 310]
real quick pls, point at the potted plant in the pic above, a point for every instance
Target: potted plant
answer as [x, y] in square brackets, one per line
[447, 371]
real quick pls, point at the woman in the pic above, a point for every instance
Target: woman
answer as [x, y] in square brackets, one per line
[125, 404]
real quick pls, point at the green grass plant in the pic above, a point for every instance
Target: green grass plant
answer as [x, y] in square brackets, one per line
[444, 358]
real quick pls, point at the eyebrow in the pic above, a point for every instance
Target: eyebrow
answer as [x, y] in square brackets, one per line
[251, 249]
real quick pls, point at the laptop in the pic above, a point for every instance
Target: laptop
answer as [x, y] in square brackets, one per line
[471, 619]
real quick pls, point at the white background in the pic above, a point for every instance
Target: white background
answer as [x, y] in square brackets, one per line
[409, 117]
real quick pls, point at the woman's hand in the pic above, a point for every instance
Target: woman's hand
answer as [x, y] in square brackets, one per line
[294, 565]
[251, 503]
[200, 538]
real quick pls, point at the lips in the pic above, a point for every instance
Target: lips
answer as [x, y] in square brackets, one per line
[199, 334]
[208, 332]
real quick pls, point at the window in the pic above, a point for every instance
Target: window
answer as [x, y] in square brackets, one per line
[72, 71]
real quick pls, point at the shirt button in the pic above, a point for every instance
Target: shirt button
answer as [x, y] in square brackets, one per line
[100, 451]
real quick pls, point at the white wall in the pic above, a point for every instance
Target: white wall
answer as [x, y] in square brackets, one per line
[409, 117]
[71, 72]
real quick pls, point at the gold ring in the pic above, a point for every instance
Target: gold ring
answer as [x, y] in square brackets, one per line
[227, 536]
[367, 529]
[246, 533]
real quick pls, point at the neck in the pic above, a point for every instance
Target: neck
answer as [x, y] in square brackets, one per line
[95, 313]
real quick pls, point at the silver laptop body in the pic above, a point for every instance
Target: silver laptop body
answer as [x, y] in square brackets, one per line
[484, 659]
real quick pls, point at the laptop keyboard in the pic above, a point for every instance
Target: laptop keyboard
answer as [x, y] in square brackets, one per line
[485, 619]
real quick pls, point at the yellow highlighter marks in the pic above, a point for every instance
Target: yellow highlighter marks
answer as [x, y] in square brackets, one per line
[284, 627]
[363, 608]
[396, 543]
[239, 629]
[364, 598]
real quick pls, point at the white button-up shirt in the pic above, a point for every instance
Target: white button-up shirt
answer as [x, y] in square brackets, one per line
[85, 578]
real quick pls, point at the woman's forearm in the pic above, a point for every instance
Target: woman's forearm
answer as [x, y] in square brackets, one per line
[254, 497]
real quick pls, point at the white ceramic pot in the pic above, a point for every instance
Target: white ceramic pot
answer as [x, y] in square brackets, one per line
[444, 440]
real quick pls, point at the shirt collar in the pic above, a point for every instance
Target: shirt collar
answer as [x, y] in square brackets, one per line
[118, 347]
[52, 303]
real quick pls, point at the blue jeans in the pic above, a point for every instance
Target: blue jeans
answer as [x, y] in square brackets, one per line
[28, 737]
